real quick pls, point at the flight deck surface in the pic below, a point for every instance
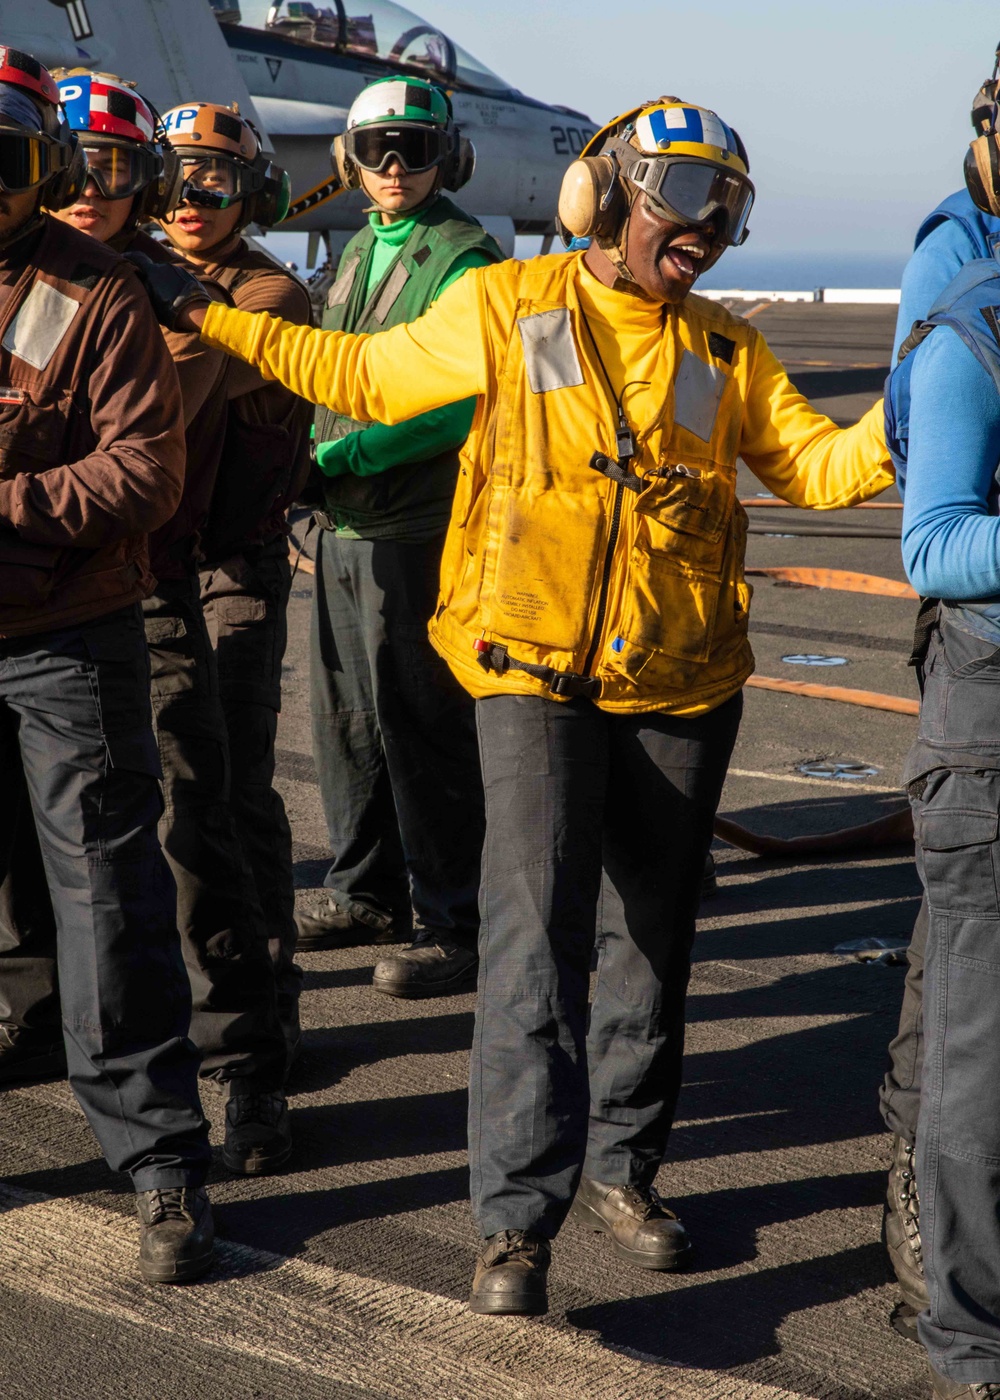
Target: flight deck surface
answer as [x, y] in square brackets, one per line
[346, 1277]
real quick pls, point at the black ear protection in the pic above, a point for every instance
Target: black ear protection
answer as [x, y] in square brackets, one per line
[270, 204]
[982, 159]
[66, 187]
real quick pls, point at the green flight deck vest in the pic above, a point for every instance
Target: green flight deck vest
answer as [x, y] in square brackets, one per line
[411, 501]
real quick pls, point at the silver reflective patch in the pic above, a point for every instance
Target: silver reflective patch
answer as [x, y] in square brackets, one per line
[697, 391]
[550, 351]
[341, 289]
[398, 279]
[43, 319]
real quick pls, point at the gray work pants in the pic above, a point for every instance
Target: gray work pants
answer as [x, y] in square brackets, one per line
[570, 788]
[394, 741]
[245, 599]
[900, 1091]
[953, 775]
[77, 749]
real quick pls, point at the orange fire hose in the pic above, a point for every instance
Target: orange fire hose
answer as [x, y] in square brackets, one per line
[841, 579]
[892, 830]
[871, 699]
[775, 502]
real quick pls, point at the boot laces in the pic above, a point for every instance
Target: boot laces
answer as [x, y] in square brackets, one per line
[646, 1202]
[254, 1108]
[511, 1243]
[989, 1390]
[169, 1203]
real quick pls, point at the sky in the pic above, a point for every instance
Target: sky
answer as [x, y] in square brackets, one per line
[855, 113]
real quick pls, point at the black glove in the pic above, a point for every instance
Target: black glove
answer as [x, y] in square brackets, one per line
[170, 288]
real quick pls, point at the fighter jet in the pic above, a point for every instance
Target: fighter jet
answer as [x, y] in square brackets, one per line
[305, 63]
[295, 68]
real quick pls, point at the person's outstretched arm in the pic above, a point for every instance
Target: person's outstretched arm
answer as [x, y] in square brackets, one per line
[799, 453]
[383, 378]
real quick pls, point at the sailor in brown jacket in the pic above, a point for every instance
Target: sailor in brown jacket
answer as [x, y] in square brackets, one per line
[132, 178]
[246, 578]
[92, 460]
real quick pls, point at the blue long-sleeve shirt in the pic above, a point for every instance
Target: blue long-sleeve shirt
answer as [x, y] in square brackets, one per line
[951, 541]
[939, 256]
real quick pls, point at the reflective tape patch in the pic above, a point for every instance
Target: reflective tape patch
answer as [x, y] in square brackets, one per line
[341, 289]
[697, 391]
[398, 279]
[12, 396]
[550, 351]
[36, 331]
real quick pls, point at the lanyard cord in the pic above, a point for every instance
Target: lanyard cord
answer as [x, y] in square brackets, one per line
[625, 436]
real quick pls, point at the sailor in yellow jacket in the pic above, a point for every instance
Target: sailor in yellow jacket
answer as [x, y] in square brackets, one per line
[593, 601]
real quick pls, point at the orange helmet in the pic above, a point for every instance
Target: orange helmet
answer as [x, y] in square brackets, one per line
[224, 162]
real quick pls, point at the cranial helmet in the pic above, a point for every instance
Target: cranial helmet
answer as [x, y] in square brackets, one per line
[224, 163]
[38, 150]
[688, 164]
[409, 119]
[126, 156]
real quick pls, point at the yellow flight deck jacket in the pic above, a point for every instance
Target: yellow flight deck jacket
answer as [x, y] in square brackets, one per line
[545, 556]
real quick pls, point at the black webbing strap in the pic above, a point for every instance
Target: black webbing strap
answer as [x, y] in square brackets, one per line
[494, 656]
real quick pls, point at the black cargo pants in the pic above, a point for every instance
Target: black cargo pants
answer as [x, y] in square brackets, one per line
[570, 788]
[393, 740]
[234, 1020]
[245, 599]
[77, 754]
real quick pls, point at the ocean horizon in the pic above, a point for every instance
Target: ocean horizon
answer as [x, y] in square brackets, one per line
[748, 269]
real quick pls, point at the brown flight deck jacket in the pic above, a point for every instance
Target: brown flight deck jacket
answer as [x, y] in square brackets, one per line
[91, 431]
[174, 549]
[265, 460]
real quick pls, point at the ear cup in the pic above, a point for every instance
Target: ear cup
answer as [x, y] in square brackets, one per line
[65, 188]
[162, 195]
[588, 184]
[460, 166]
[982, 173]
[347, 171]
[270, 206]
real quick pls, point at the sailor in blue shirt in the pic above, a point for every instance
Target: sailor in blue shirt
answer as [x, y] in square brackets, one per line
[948, 399]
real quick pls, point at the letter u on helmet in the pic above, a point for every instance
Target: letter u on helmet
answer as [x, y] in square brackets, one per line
[38, 150]
[126, 157]
[407, 119]
[691, 167]
[224, 162]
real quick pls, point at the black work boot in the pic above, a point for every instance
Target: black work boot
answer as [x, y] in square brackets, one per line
[642, 1230]
[944, 1389]
[177, 1234]
[258, 1134]
[29, 1055]
[430, 967]
[511, 1274]
[901, 1227]
[326, 925]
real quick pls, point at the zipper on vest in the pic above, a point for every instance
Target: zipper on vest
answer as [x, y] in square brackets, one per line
[602, 600]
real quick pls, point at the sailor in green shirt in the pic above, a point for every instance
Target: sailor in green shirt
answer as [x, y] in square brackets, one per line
[393, 733]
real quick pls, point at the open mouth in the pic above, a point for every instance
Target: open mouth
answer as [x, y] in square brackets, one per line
[687, 254]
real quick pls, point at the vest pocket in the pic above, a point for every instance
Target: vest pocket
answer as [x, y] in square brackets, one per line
[669, 612]
[684, 512]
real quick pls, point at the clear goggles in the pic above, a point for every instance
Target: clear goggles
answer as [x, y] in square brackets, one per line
[690, 191]
[120, 170]
[218, 182]
[417, 148]
[27, 160]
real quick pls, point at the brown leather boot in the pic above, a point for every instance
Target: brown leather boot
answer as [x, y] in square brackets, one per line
[511, 1274]
[901, 1227]
[642, 1230]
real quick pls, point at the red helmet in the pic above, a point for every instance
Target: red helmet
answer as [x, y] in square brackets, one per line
[119, 133]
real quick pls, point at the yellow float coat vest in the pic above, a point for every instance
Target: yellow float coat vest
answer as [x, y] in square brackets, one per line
[546, 557]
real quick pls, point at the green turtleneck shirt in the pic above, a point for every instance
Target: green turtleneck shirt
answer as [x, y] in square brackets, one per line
[380, 447]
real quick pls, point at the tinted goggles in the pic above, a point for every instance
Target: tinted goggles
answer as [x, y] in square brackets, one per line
[27, 160]
[689, 191]
[417, 148]
[120, 171]
[217, 182]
